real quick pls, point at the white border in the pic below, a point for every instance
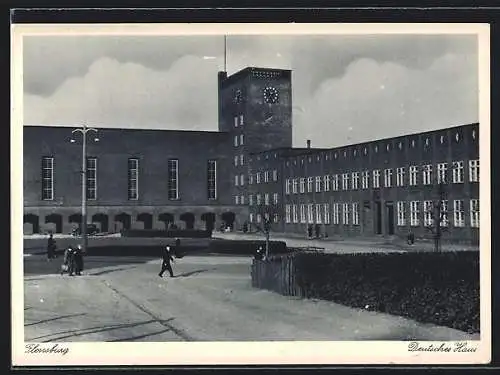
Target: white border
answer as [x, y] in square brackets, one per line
[229, 353]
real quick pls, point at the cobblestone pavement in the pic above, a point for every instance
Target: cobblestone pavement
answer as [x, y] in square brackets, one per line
[210, 299]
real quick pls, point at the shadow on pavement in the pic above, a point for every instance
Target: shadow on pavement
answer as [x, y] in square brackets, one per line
[38, 265]
[186, 274]
[52, 319]
[87, 331]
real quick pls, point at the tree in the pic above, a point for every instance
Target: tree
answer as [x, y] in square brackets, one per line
[439, 217]
[267, 212]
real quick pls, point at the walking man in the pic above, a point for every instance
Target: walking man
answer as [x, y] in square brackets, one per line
[166, 258]
[51, 247]
[78, 260]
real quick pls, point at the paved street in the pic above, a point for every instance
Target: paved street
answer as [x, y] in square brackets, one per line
[210, 299]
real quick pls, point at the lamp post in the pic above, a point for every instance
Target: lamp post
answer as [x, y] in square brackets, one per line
[84, 130]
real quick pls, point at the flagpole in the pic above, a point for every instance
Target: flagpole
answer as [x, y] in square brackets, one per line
[225, 53]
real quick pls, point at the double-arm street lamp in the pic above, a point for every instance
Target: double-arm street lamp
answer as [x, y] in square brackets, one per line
[84, 130]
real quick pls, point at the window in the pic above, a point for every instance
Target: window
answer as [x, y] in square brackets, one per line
[241, 139]
[266, 199]
[335, 182]
[133, 179]
[275, 217]
[287, 213]
[444, 214]
[302, 185]
[326, 182]
[345, 213]
[236, 199]
[428, 219]
[427, 174]
[242, 180]
[235, 160]
[400, 176]
[365, 179]
[318, 213]
[258, 199]
[275, 198]
[414, 211]
[241, 120]
[236, 122]
[91, 178]
[376, 179]
[259, 218]
[388, 177]
[241, 159]
[458, 213]
[474, 170]
[474, 213]
[401, 214]
[309, 184]
[257, 177]
[250, 200]
[345, 181]
[275, 175]
[310, 216]
[336, 215]
[266, 176]
[318, 184]
[355, 213]
[295, 184]
[295, 214]
[458, 172]
[250, 179]
[442, 169]
[47, 178]
[355, 180]
[251, 217]
[413, 175]
[326, 213]
[236, 180]
[212, 179]
[235, 141]
[287, 186]
[302, 213]
[173, 179]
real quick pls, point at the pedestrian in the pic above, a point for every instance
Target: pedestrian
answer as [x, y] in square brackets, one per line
[51, 247]
[177, 248]
[68, 261]
[165, 265]
[78, 258]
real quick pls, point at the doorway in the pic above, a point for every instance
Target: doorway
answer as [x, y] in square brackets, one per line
[390, 217]
[378, 217]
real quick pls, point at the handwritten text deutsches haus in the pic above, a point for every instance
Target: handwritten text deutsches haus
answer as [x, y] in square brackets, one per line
[457, 347]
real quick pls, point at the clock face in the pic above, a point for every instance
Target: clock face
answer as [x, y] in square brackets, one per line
[238, 96]
[271, 95]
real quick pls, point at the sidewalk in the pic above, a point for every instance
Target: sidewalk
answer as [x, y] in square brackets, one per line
[335, 243]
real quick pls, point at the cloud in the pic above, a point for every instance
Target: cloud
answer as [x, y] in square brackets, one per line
[361, 99]
[375, 100]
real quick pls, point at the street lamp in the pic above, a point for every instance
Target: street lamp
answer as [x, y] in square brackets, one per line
[84, 130]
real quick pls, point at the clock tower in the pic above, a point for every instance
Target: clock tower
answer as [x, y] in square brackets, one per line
[255, 108]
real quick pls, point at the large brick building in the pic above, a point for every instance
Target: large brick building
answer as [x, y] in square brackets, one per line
[248, 170]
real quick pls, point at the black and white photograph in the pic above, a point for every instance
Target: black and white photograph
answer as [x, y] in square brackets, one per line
[251, 193]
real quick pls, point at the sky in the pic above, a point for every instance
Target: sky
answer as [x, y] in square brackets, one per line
[346, 88]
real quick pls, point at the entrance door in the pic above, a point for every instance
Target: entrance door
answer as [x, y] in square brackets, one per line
[390, 218]
[378, 217]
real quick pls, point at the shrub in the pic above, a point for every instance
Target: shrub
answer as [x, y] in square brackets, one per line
[439, 288]
[180, 233]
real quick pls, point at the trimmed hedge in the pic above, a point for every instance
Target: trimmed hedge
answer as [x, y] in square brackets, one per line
[439, 288]
[242, 247]
[180, 233]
